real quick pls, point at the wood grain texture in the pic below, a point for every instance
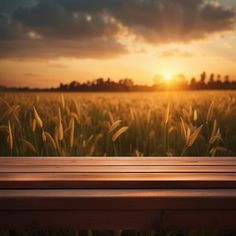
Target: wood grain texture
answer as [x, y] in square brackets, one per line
[127, 161]
[117, 193]
[116, 169]
[118, 180]
[137, 199]
[120, 219]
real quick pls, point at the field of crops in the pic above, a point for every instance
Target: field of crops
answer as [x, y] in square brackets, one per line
[118, 124]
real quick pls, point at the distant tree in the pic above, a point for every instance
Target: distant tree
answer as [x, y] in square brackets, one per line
[193, 83]
[73, 85]
[128, 82]
[226, 79]
[203, 78]
[212, 78]
[100, 81]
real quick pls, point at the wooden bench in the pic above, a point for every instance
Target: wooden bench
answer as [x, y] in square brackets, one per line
[117, 193]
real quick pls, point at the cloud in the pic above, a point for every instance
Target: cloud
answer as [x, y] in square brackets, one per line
[50, 19]
[49, 30]
[93, 28]
[9, 30]
[163, 21]
[51, 49]
[7, 6]
[175, 53]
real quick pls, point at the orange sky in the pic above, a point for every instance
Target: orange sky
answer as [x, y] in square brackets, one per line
[43, 58]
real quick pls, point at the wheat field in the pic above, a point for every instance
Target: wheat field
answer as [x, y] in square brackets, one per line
[118, 124]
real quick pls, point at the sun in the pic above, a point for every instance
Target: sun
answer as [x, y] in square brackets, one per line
[168, 76]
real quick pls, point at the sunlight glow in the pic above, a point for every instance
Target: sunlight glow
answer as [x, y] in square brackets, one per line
[168, 76]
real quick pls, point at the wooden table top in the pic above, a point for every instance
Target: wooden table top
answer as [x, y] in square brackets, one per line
[113, 173]
[117, 193]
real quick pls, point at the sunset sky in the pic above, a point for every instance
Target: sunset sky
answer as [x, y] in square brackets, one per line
[46, 42]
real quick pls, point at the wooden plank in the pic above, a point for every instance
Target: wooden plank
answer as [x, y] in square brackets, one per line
[212, 220]
[122, 219]
[127, 193]
[118, 176]
[79, 219]
[110, 161]
[136, 199]
[116, 169]
[117, 180]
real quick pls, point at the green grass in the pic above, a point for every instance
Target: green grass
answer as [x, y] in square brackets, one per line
[118, 124]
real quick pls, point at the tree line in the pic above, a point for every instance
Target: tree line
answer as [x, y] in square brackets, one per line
[179, 82]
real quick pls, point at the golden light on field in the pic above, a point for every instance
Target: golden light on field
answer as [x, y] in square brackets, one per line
[174, 124]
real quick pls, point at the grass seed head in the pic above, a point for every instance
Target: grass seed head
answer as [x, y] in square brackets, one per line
[114, 125]
[37, 118]
[62, 102]
[60, 126]
[210, 112]
[119, 133]
[34, 124]
[192, 138]
[167, 114]
[195, 116]
[72, 131]
[10, 136]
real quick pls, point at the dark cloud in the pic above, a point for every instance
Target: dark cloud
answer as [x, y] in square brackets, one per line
[48, 48]
[51, 19]
[90, 28]
[9, 6]
[9, 29]
[159, 21]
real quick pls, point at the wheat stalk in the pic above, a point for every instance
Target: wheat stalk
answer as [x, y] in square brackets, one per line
[210, 112]
[183, 129]
[44, 138]
[77, 111]
[34, 123]
[110, 117]
[114, 125]
[192, 138]
[5, 102]
[62, 102]
[37, 118]
[50, 138]
[72, 131]
[10, 136]
[29, 145]
[195, 116]
[167, 114]
[60, 126]
[75, 116]
[119, 133]
[215, 134]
